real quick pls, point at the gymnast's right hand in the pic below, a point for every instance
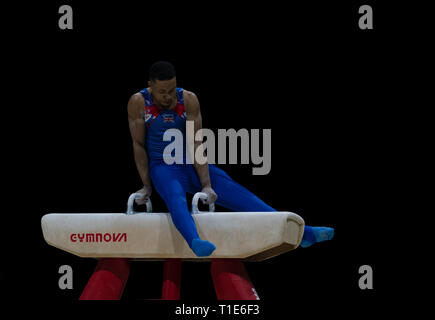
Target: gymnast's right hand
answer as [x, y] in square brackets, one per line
[145, 194]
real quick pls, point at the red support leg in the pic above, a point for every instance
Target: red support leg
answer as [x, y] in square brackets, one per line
[231, 280]
[171, 279]
[108, 280]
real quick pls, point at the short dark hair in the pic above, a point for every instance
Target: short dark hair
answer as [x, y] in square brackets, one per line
[162, 70]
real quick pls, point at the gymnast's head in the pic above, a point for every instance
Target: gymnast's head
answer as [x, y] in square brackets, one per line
[163, 84]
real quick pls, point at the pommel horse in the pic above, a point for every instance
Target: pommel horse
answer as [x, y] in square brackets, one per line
[116, 239]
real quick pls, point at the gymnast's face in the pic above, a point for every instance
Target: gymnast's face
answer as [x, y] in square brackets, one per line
[164, 92]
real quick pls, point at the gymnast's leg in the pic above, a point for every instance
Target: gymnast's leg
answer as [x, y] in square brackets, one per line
[233, 196]
[169, 181]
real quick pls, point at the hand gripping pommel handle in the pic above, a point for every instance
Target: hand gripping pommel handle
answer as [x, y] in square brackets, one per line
[196, 197]
[130, 203]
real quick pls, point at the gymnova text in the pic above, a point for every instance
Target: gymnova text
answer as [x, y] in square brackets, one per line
[98, 237]
[205, 151]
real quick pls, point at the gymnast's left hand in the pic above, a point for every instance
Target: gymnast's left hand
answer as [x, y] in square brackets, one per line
[211, 195]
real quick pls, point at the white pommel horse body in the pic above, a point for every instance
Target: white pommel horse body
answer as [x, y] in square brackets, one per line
[116, 239]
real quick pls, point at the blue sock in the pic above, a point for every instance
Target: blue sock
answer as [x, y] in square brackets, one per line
[202, 248]
[316, 234]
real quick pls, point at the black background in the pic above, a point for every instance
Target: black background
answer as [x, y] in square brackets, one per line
[304, 70]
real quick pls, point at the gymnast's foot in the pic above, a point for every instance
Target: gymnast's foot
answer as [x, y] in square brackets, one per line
[316, 234]
[202, 248]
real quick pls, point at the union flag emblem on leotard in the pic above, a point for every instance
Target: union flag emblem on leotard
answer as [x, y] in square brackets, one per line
[168, 117]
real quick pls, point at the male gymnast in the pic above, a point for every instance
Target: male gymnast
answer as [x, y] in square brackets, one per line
[163, 106]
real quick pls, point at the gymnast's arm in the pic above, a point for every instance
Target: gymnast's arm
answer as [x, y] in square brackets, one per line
[138, 131]
[193, 113]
